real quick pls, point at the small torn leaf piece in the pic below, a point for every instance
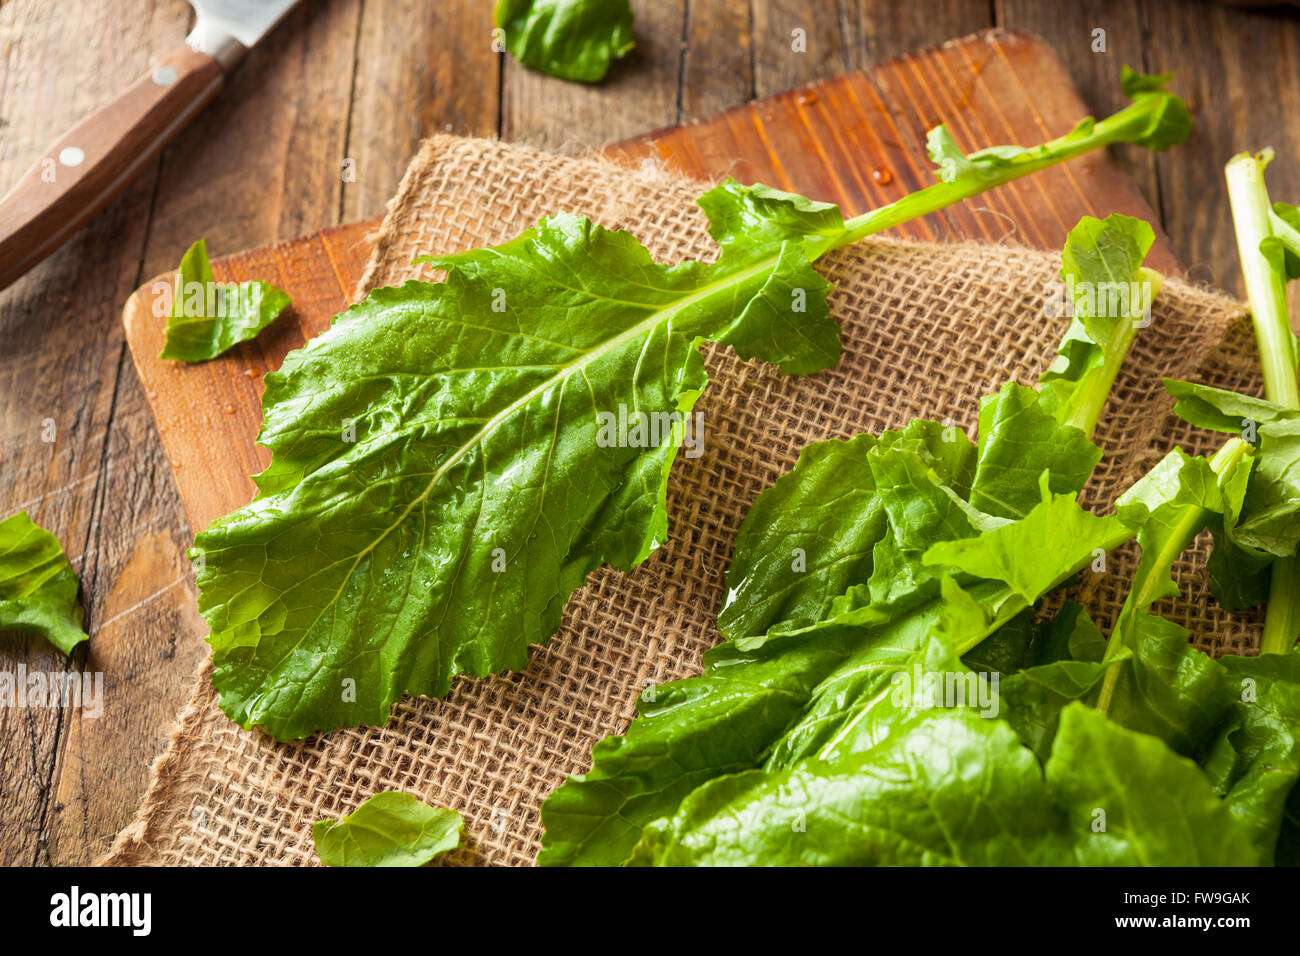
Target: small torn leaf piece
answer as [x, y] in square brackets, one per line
[38, 588]
[569, 39]
[388, 829]
[1284, 245]
[1057, 533]
[206, 319]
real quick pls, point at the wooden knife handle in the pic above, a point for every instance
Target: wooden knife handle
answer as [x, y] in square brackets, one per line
[94, 160]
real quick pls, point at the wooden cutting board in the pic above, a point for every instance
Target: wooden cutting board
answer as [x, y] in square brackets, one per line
[857, 140]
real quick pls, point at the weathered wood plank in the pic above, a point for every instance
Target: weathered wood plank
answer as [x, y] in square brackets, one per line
[717, 66]
[796, 43]
[1095, 41]
[639, 93]
[880, 30]
[422, 68]
[60, 364]
[1237, 70]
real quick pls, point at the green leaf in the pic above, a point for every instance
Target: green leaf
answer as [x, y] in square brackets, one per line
[1264, 518]
[1239, 573]
[805, 540]
[1110, 296]
[945, 788]
[688, 732]
[449, 450]
[1220, 410]
[1238, 578]
[1004, 651]
[1070, 636]
[1029, 554]
[571, 39]
[1034, 697]
[1020, 439]
[1268, 519]
[1284, 244]
[1166, 121]
[1255, 760]
[812, 536]
[1159, 808]
[1156, 119]
[922, 509]
[1159, 684]
[206, 319]
[950, 788]
[1063, 665]
[792, 694]
[1165, 687]
[38, 588]
[388, 829]
[1167, 507]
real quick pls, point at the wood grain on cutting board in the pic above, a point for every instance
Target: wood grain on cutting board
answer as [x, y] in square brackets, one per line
[857, 140]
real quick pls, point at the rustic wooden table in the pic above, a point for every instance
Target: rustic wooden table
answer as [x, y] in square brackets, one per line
[363, 81]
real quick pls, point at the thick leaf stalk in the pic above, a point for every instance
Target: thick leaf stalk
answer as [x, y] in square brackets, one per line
[1265, 280]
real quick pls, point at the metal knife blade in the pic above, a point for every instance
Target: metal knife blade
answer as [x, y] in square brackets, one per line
[103, 152]
[226, 29]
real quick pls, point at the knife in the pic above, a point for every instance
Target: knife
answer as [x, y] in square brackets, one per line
[92, 162]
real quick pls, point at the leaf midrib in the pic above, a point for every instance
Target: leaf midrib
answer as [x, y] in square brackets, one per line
[656, 318]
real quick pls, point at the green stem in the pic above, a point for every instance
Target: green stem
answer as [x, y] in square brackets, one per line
[1265, 286]
[1266, 292]
[1128, 125]
[1147, 581]
[1282, 619]
[1092, 399]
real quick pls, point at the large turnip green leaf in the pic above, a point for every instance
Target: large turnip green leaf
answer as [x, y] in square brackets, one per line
[795, 693]
[38, 588]
[571, 39]
[947, 787]
[388, 829]
[1160, 810]
[1254, 760]
[206, 319]
[450, 459]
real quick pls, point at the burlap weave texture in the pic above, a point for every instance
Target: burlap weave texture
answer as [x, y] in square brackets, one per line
[927, 330]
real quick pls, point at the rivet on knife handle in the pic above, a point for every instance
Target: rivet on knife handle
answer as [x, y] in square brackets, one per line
[92, 162]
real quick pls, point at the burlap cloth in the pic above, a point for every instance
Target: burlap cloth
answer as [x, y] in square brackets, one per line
[927, 330]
